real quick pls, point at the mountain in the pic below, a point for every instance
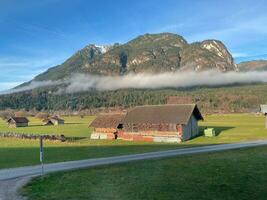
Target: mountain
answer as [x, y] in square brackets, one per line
[149, 53]
[256, 65]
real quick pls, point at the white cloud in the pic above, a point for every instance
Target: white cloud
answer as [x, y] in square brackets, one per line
[83, 83]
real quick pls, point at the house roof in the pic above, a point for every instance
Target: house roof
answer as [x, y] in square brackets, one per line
[18, 119]
[170, 114]
[264, 109]
[107, 120]
[50, 119]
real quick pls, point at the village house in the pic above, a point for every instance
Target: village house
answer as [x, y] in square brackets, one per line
[158, 123]
[106, 126]
[53, 121]
[264, 111]
[17, 122]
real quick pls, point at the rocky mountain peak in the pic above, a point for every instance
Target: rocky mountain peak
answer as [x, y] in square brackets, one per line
[148, 53]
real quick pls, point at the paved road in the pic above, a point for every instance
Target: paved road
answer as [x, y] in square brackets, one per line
[7, 174]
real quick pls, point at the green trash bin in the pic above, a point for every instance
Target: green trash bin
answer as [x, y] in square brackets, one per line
[209, 132]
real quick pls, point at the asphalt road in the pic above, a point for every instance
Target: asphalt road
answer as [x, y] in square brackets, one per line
[12, 179]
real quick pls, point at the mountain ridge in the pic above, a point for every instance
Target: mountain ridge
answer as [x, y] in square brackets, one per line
[253, 65]
[148, 53]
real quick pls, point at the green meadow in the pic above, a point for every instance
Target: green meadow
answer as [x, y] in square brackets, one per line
[74, 127]
[16, 152]
[231, 175]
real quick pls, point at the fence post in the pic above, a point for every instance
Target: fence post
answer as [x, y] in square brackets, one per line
[42, 153]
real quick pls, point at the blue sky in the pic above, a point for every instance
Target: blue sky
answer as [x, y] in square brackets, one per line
[36, 35]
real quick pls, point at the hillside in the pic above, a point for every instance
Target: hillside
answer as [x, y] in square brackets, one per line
[243, 98]
[150, 53]
[256, 65]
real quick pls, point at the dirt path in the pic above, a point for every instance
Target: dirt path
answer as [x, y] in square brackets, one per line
[9, 189]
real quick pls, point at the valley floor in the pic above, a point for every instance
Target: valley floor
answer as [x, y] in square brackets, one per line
[14, 152]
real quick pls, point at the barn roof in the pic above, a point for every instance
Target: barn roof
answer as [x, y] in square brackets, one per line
[170, 114]
[18, 119]
[107, 120]
[264, 109]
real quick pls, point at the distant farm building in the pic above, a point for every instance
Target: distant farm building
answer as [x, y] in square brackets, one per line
[264, 111]
[55, 121]
[106, 126]
[179, 100]
[159, 123]
[18, 122]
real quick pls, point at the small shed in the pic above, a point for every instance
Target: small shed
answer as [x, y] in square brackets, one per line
[18, 122]
[106, 126]
[264, 111]
[53, 121]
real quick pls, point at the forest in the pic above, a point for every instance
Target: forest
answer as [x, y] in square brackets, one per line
[242, 98]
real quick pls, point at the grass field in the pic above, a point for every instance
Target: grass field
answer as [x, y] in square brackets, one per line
[74, 127]
[15, 152]
[234, 128]
[229, 175]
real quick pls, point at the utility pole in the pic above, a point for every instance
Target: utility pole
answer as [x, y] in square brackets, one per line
[42, 154]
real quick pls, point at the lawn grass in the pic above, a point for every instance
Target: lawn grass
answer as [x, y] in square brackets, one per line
[233, 128]
[16, 152]
[74, 127]
[229, 175]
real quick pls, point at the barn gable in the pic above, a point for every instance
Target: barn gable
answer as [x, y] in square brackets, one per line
[18, 121]
[53, 121]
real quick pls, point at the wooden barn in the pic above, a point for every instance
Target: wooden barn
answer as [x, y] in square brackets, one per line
[55, 121]
[161, 123]
[106, 126]
[264, 111]
[18, 122]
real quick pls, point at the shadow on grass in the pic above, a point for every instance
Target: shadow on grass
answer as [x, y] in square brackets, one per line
[74, 123]
[66, 124]
[37, 125]
[75, 139]
[218, 129]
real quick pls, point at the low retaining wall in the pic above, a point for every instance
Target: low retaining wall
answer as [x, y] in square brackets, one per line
[61, 138]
